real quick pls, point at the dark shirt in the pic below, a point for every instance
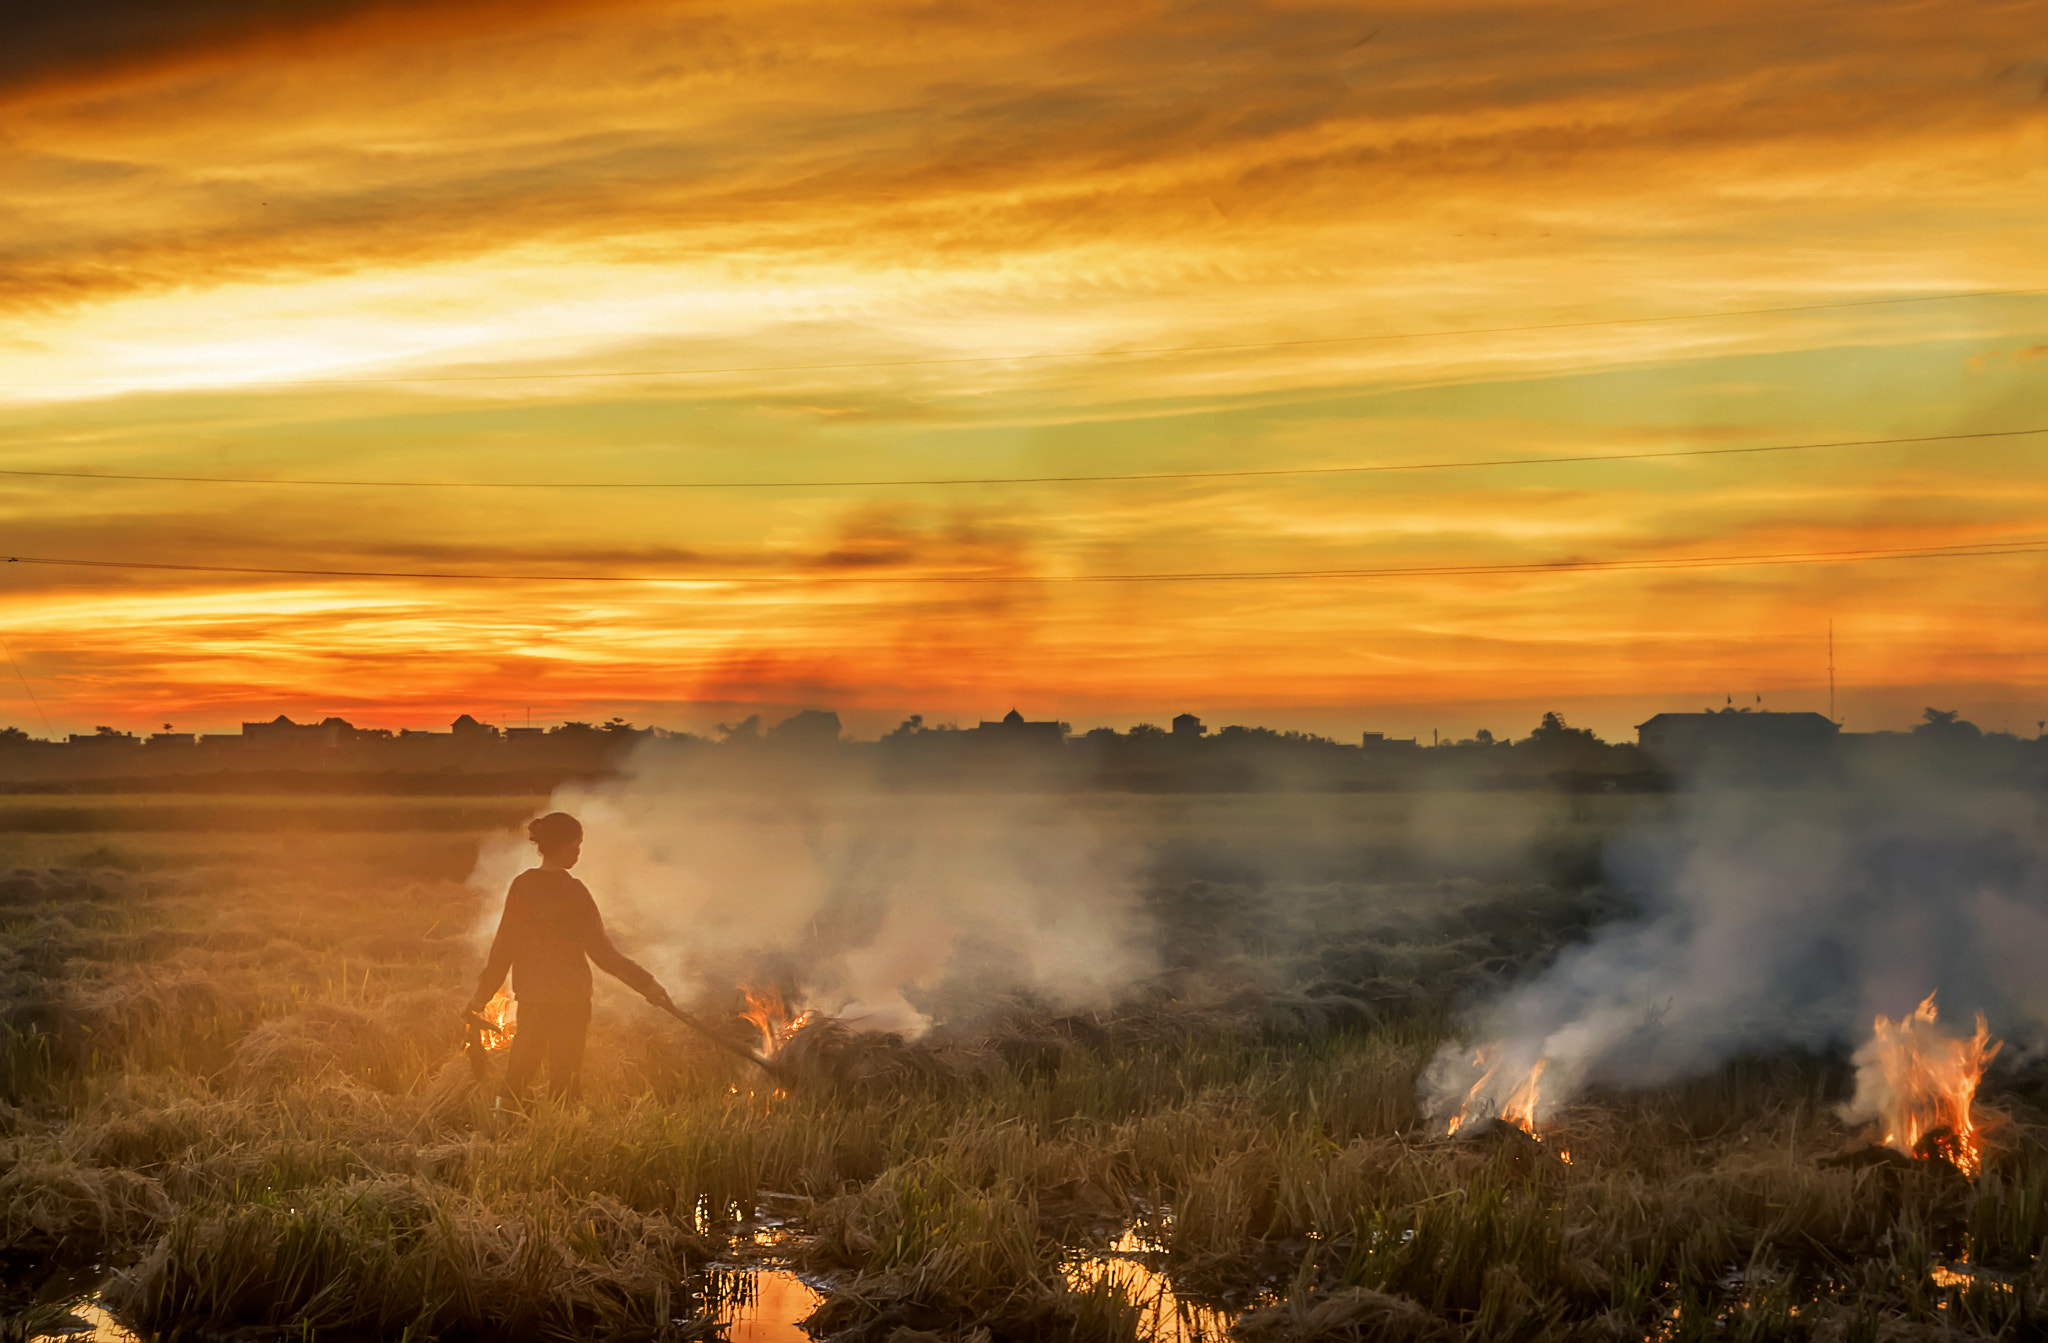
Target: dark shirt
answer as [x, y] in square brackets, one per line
[549, 928]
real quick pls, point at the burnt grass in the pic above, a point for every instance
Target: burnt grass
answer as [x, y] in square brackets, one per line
[230, 1095]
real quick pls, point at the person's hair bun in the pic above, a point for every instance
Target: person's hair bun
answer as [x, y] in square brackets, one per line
[555, 830]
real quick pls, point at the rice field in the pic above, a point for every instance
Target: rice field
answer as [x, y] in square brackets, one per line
[232, 1103]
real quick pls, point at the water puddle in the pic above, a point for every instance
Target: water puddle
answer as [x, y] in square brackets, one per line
[761, 1305]
[748, 1305]
[753, 1304]
[77, 1322]
[761, 1300]
[1136, 1262]
[756, 1298]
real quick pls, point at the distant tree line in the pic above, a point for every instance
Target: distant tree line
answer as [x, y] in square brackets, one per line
[1015, 753]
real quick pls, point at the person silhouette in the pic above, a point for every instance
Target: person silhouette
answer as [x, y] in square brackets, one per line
[547, 937]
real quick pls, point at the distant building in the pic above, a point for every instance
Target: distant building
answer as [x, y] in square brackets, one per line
[104, 737]
[329, 746]
[1741, 741]
[1187, 725]
[1379, 743]
[1014, 729]
[281, 733]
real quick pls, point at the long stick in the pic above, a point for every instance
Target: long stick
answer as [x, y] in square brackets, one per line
[781, 1077]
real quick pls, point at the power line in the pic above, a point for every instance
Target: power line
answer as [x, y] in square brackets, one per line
[1133, 352]
[1126, 478]
[1959, 550]
[15, 662]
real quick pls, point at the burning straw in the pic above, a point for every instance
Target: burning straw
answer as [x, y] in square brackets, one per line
[809, 1048]
[1919, 1083]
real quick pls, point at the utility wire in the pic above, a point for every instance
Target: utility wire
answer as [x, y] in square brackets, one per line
[1133, 352]
[1960, 550]
[15, 662]
[1133, 477]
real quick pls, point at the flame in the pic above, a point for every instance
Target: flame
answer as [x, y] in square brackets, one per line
[769, 1011]
[1484, 1061]
[501, 1015]
[1929, 1081]
[1518, 1109]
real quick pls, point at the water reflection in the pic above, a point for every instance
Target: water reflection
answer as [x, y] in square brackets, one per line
[760, 1305]
[1136, 1263]
[82, 1322]
[747, 1305]
[754, 1303]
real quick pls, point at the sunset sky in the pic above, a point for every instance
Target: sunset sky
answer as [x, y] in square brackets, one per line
[735, 279]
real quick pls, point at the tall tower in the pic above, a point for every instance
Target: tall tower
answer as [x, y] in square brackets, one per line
[1831, 669]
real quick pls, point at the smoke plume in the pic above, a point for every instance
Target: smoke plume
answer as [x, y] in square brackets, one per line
[714, 868]
[1770, 919]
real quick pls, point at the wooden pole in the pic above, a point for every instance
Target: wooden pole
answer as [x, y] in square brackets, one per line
[765, 1065]
[1831, 669]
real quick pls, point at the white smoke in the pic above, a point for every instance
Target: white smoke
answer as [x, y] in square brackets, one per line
[1771, 919]
[714, 868]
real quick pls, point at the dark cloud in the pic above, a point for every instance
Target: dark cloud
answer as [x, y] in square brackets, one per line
[83, 37]
[423, 535]
[84, 41]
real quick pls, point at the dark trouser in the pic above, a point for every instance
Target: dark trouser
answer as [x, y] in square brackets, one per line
[551, 1033]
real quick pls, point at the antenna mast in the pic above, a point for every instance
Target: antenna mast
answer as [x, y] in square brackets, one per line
[1831, 669]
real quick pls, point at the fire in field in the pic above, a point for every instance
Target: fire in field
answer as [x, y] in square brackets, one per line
[1282, 1066]
[1921, 1084]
